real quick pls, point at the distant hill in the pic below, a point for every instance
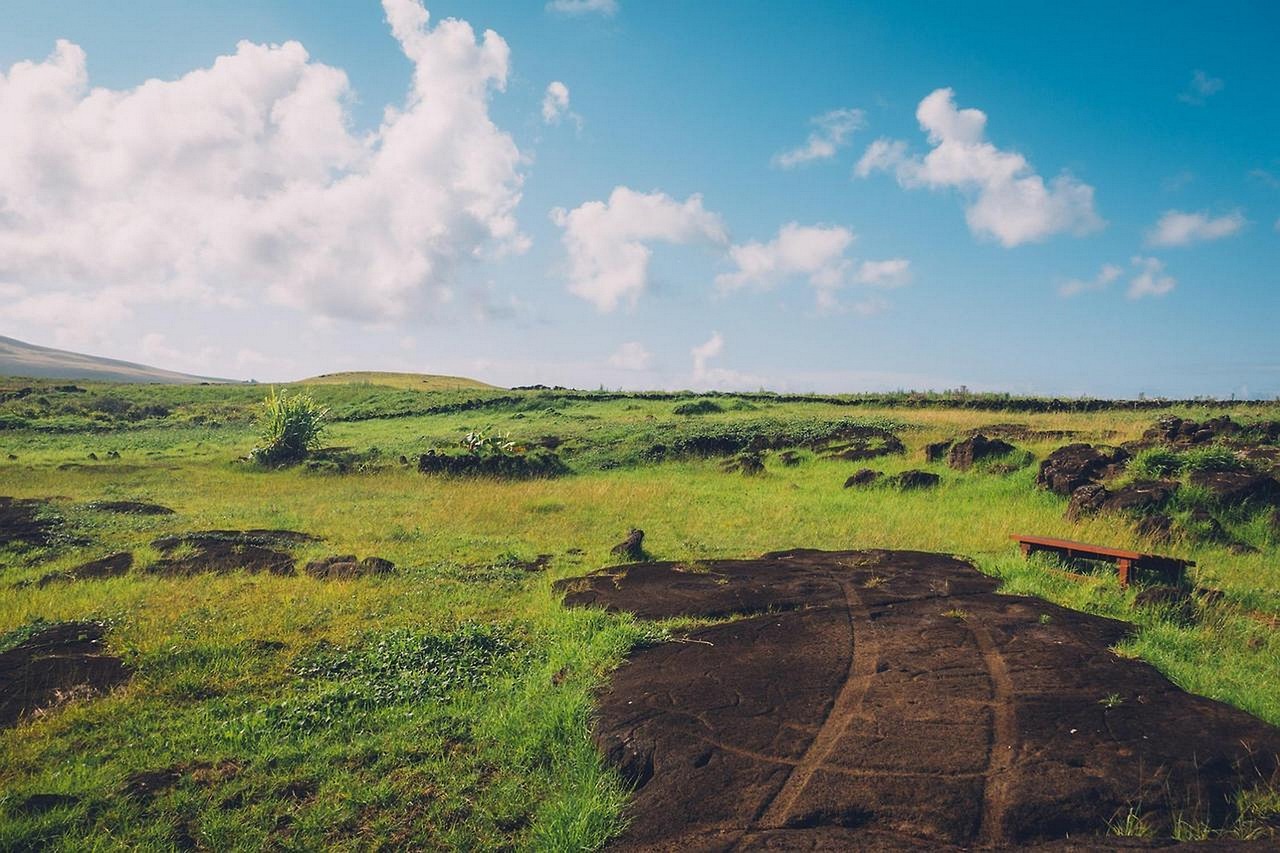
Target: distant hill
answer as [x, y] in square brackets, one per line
[410, 381]
[18, 358]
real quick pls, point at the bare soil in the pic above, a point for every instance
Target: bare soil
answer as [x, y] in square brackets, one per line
[892, 700]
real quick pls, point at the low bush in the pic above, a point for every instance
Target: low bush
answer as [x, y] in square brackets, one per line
[1212, 458]
[289, 429]
[698, 407]
[1156, 463]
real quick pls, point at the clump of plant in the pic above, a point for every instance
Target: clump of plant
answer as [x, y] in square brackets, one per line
[1211, 458]
[479, 443]
[1156, 463]
[289, 429]
[698, 407]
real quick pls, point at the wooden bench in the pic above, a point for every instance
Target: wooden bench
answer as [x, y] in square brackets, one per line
[1170, 568]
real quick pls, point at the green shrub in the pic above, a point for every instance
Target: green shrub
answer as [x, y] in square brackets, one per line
[289, 429]
[1156, 463]
[698, 407]
[1211, 458]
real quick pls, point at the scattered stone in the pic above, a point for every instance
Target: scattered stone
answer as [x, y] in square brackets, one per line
[865, 477]
[631, 548]
[1140, 496]
[937, 451]
[113, 454]
[512, 466]
[1233, 488]
[915, 480]
[1068, 468]
[130, 507]
[1086, 500]
[346, 566]
[850, 708]
[59, 662]
[1174, 430]
[975, 449]
[1203, 526]
[93, 457]
[750, 463]
[111, 566]
[404, 460]
[790, 458]
[13, 457]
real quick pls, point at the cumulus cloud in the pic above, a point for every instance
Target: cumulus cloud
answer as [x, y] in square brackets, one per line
[1176, 228]
[245, 181]
[555, 105]
[1200, 89]
[816, 253]
[583, 7]
[1149, 278]
[1007, 199]
[1075, 286]
[706, 376]
[631, 356]
[831, 132]
[608, 242]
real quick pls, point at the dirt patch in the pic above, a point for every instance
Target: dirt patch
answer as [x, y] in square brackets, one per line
[27, 522]
[220, 551]
[110, 566]
[893, 700]
[56, 663]
[130, 508]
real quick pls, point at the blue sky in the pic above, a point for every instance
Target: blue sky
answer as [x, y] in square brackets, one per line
[1133, 248]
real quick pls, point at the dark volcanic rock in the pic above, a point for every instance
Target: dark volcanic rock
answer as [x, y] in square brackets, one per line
[893, 701]
[915, 480]
[1086, 500]
[790, 458]
[111, 566]
[1237, 487]
[865, 477]
[937, 451]
[750, 463]
[1174, 430]
[62, 661]
[1068, 468]
[975, 448]
[631, 548]
[345, 566]
[862, 447]
[1140, 496]
[1177, 600]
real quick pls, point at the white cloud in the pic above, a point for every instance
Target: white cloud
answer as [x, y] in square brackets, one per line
[608, 241]
[706, 351]
[1105, 276]
[244, 181]
[831, 132]
[1201, 88]
[1176, 228]
[583, 7]
[891, 273]
[1150, 278]
[816, 253]
[706, 376]
[631, 356]
[555, 105]
[1007, 199]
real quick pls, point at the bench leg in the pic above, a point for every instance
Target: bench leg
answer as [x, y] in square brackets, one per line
[1026, 548]
[1123, 567]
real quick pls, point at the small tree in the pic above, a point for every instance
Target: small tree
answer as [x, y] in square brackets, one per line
[289, 428]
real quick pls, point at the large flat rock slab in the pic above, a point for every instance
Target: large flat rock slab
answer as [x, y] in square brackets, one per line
[892, 700]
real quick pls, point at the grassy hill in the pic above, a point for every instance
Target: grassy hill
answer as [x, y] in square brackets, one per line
[403, 381]
[18, 358]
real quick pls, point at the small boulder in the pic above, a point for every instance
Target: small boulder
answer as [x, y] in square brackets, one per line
[975, 449]
[1068, 468]
[1233, 488]
[1086, 500]
[865, 477]
[916, 480]
[631, 548]
[336, 566]
[937, 451]
[1204, 527]
[1177, 601]
[789, 458]
[1140, 496]
[376, 566]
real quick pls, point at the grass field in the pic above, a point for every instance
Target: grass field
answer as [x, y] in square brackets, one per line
[448, 704]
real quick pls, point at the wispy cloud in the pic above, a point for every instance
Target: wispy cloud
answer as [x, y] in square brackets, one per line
[1075, 286]
[583, 7]
[1200, 89]
[831, 132]
[1178, 228]
[631, 355]
[1150, 278]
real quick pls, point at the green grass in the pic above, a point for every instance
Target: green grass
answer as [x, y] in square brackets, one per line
[448, 705]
